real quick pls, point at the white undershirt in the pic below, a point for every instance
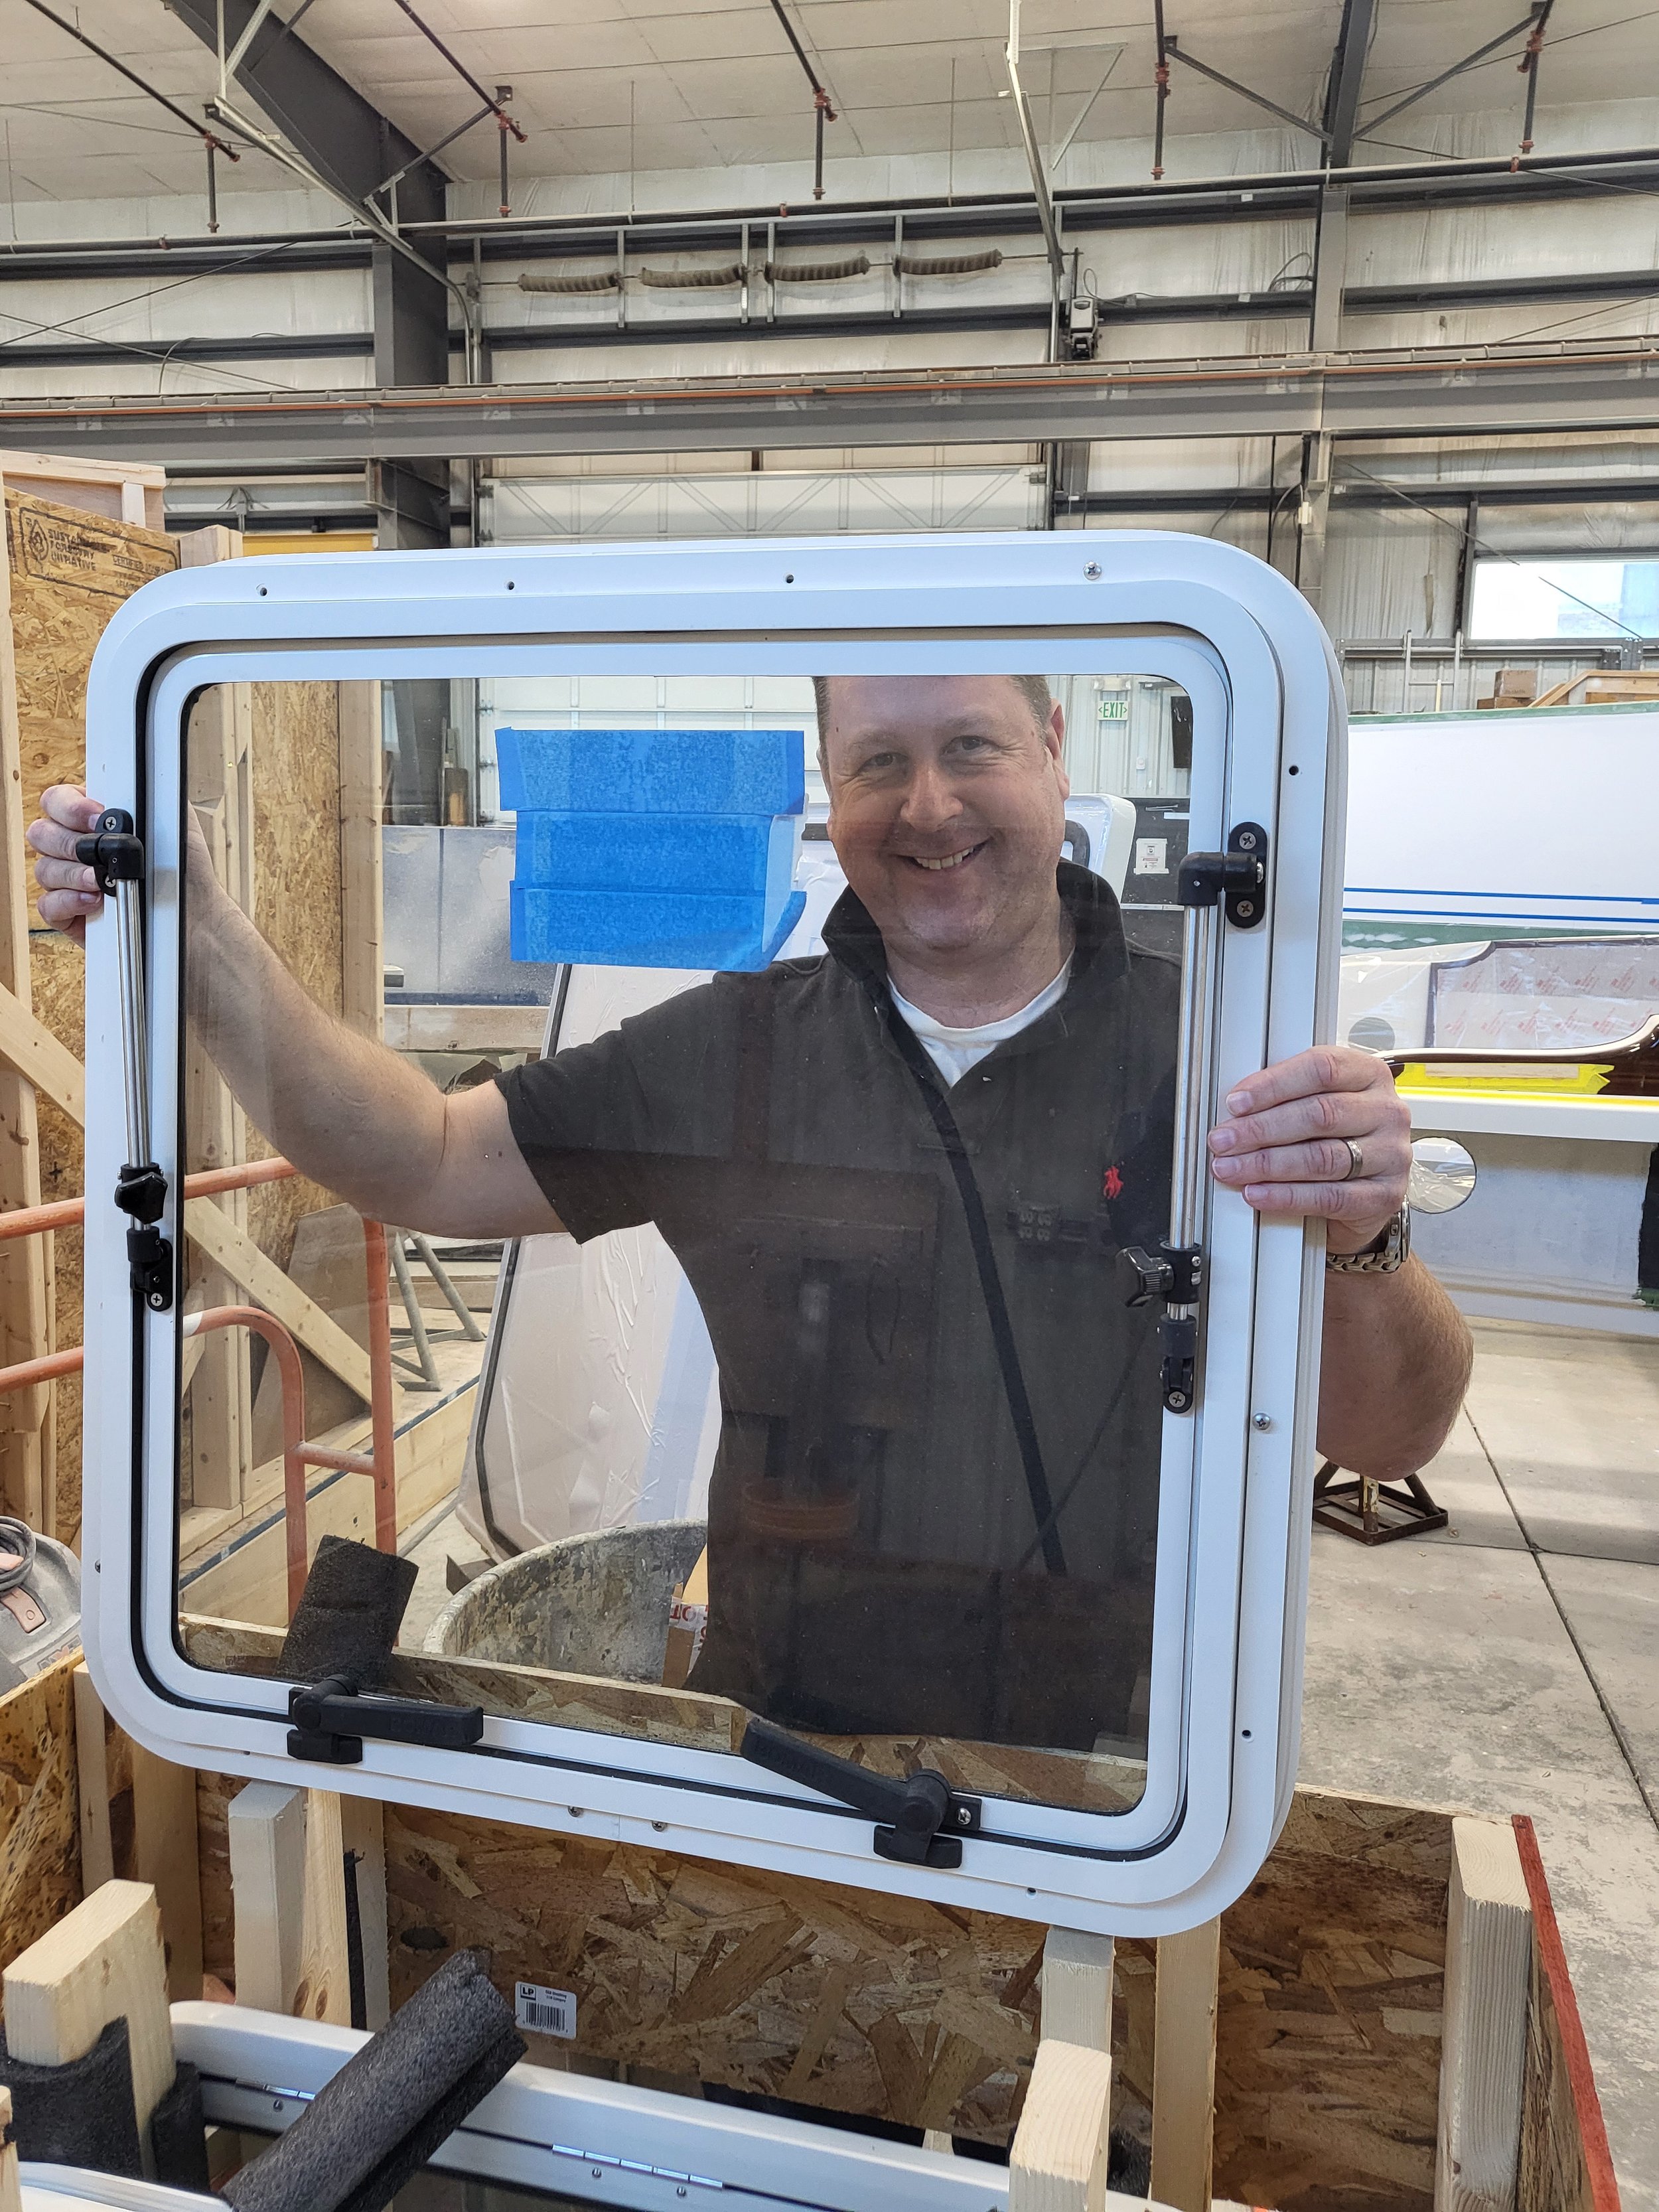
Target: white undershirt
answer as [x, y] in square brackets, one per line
[954, 1051]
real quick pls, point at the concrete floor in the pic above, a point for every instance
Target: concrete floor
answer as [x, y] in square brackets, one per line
[1510, 1664]
[1507, 1664]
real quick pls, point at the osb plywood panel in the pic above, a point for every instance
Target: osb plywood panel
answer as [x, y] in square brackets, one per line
[1328, 2045]
[1328, 2056]
[295, 748]
[69, 572]
[919, 2012]
[40, 1810]
[58, 977]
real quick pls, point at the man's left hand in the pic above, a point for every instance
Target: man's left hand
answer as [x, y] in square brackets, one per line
[1282, 1145]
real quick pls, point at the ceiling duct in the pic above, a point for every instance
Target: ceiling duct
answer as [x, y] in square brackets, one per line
[603, 280]
[817, 272]
[695, 280]
[946, 265]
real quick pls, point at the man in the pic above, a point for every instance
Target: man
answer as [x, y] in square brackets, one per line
[897, 1177]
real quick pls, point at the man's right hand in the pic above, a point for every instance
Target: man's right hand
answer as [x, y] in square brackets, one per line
[69, 895]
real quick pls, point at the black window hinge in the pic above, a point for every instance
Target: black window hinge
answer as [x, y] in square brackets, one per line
[1238, 877]
[332, 1718]
[920, 1821]
[1174, 1273]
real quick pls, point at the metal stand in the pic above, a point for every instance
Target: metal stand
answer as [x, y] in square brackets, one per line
[417, 1330]
[1374, 1512]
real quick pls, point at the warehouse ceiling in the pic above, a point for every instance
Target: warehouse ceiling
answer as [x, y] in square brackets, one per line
[603, 87]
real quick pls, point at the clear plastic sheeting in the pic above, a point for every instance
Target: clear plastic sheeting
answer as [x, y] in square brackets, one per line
[1551, 995]
[599, 1407]
[1382, 998]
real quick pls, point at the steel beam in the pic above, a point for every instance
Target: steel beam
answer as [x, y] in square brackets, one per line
[341, 135]
[1440, 393]
[1330, 269]
[1068, 485]
[347, 141]
[1347, 74]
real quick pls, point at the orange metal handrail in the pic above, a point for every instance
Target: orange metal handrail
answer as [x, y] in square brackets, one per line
[381, 1461]
[69, 1212]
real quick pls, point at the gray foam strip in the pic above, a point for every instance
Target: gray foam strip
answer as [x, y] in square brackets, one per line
[442, 2052]
[81, 2114]
[348, 1614]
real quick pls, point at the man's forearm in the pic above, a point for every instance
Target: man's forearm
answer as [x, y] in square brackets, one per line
[1397, 1355]
[346, 1110]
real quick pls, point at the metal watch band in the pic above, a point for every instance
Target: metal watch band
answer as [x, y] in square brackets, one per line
[1385, 1256]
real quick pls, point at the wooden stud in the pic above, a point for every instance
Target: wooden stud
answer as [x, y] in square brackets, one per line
[1489, 1945]
[103, 1961]
[323, 1990]
[164, 1854]
[1058, 2162]
[266, 1829]
[241, 1257]
[1077, 1989]
[363, 958]
[11, 2187]
[91, 1776]
[28, 1048]
[288, 1879]
[1183, 2067]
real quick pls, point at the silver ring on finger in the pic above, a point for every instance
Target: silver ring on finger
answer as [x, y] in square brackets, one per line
[1356, 1160]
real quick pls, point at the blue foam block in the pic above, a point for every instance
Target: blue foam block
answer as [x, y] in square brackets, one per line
[653, 771]
[650, 929]
[655, 852]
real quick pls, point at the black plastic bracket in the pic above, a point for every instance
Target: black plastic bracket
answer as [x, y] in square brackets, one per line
[1175, 1273]
[114, 853]
[332, 1717]
[142, 1192]
[921, 1820]
[1178, 1379]
[1238, 877]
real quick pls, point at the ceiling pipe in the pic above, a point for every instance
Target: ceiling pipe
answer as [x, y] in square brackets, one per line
[214, 143]
[823, 112]
[1033, 158]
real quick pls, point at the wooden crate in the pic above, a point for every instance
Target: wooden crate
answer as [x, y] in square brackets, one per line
[1328, 2038]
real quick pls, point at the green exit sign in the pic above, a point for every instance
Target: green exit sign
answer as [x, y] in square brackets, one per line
[1115, 707]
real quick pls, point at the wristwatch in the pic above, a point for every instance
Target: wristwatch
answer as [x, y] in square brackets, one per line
[1383, 1256]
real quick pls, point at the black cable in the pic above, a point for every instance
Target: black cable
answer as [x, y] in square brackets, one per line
[990, 1283]
[17, 1544]
[1088, 1451]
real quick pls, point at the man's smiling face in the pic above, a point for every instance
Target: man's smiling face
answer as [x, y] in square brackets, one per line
[947, 808]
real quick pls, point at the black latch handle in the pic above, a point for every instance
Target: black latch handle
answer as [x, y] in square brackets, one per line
[922, 1819]
[1238, 877]
[332, 1718]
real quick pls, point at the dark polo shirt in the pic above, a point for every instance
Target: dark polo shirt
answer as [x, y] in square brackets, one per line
[876, 1561]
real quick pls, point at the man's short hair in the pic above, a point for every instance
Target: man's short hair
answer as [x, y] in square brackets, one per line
[1033, 689]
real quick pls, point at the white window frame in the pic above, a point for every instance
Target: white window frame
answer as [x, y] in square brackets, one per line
[1234, 1514]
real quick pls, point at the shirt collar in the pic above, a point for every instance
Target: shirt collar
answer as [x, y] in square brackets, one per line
[853, 940]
